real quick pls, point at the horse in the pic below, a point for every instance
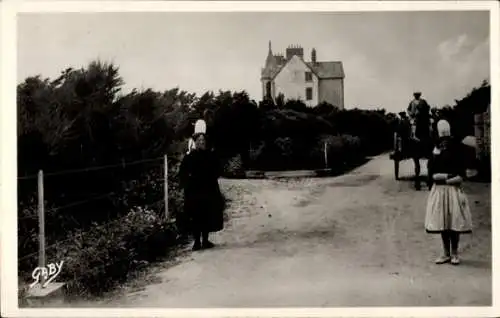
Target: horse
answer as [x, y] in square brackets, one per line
[421, 148]
[418, 144]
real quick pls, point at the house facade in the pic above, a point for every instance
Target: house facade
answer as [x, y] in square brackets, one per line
[312, 82]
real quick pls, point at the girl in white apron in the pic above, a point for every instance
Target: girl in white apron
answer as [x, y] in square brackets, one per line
[448, 211]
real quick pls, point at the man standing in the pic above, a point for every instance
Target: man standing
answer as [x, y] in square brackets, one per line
[419, 113]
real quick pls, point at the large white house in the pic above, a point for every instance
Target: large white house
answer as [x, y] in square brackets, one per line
[312, 82]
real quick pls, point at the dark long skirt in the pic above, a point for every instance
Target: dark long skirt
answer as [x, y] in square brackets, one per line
[204, 209]
[203, 201]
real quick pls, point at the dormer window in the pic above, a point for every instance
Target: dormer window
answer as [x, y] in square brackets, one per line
[309, 77]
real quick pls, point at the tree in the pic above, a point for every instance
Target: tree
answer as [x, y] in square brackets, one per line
[296, 105]
[267, 104]
[325, 109]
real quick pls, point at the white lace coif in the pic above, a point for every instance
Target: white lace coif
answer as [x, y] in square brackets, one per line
[200, 127]
[444, 129]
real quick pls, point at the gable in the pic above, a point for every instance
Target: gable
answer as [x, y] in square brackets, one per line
[294, 63]
[322, 70]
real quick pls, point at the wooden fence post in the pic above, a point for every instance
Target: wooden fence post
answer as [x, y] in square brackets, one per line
[165, 186]
[41, 225]
[326, 155]
[42, 295]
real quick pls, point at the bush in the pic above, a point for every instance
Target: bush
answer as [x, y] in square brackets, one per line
[341, 151]
[234, 168]
[353, 148]
[335, 150]
[97, 260]
[284, 147]
[295, 153]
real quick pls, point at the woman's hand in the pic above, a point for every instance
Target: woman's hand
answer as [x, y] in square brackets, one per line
[440, 176]
[454, 180]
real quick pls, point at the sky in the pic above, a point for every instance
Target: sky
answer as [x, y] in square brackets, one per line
[386, 55]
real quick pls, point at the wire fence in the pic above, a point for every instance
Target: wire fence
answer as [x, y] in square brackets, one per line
[77, 234]
[90, 169]
[73, 204]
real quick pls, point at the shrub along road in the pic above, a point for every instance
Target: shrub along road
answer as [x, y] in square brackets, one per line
[352, 240]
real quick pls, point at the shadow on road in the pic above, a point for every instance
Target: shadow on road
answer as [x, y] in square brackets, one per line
[476, 264]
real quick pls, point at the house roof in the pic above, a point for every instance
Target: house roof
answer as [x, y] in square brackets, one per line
[271, 72]
[323, 70]
[327, 69]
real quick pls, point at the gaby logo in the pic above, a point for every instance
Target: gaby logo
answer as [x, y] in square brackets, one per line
[48, 273]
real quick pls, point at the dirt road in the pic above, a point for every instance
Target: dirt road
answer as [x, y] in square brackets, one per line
[353, 240]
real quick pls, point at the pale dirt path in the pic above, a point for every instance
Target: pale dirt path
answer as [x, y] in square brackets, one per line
[353, 240]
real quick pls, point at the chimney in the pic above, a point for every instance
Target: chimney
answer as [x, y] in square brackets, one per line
[313, 55]
[294, 50]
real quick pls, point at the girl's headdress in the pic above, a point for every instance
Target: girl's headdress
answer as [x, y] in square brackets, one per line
[200, 127]
[443, 128]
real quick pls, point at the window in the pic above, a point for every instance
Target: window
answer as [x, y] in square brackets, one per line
[309, 77]
[309, 93]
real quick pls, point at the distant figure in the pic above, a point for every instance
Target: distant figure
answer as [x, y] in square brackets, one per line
[404, 127]
[433, 125]
[403, 133]
[203, 200]
[419, 112]
[448, 211]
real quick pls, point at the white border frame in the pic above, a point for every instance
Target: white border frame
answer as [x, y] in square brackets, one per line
[8, 162]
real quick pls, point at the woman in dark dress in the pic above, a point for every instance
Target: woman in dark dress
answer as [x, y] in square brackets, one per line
[203, 200]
